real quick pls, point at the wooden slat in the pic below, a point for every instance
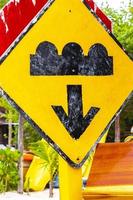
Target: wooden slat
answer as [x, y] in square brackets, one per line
[108, 192]
[112, 165]
[105, 197]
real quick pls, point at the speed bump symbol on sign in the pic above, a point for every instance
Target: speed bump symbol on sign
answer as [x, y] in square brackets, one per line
[68, 77]
[47, 62]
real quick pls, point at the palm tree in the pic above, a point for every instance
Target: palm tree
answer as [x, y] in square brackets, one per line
[43, 150]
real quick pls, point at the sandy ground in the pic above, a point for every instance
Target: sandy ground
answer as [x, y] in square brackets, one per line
[44, 195]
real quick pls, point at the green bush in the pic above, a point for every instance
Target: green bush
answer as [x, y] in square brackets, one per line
[8, 169]
[3, 2]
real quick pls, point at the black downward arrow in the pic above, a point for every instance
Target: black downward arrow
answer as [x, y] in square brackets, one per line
[74, 122]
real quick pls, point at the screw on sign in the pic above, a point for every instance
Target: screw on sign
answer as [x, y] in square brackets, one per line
[67, 81]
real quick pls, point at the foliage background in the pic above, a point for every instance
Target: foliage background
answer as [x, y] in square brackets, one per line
[8, 169]
[3, 2]
[122, 20]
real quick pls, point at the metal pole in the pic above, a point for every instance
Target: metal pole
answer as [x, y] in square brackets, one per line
[70, 181]
[10, 133]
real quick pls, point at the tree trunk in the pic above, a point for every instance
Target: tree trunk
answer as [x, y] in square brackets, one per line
[117, 129]
[20, 148]
[10, 132]
[51, 189]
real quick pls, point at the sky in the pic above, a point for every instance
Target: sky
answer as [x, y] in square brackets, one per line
[113, 3]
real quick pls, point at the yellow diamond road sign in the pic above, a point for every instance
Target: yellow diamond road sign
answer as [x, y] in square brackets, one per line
[69, 77]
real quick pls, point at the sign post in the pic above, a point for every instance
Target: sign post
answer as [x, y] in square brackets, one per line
[70, 181]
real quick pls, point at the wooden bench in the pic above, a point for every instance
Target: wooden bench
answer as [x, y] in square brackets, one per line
[111, 175]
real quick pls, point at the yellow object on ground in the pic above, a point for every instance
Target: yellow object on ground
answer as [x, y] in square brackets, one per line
[129, 138]
[37, 176]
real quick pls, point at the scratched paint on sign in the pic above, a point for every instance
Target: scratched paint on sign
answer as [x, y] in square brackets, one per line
[46, 61]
